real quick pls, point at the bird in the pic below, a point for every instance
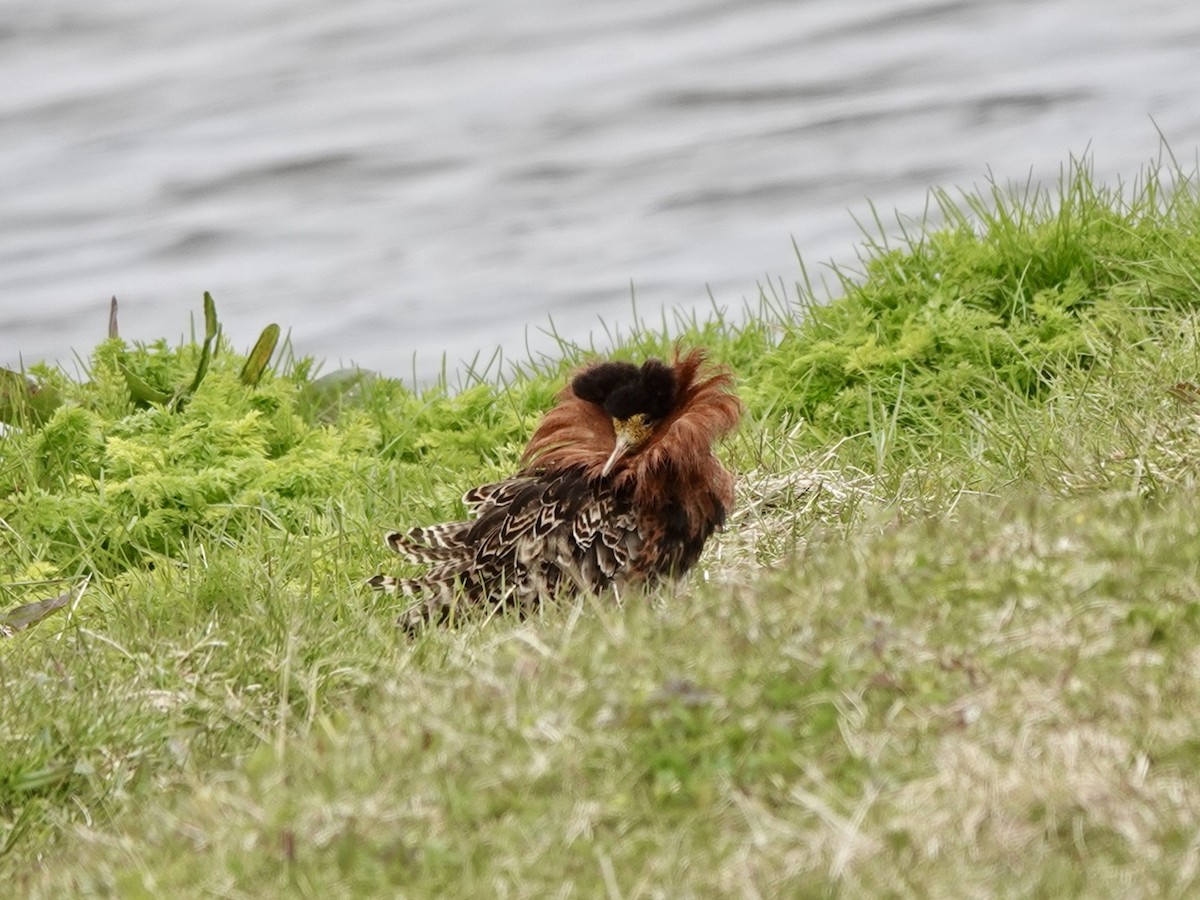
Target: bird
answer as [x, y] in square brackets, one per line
[619, 486]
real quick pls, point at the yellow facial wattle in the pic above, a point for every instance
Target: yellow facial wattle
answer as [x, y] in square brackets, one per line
[631, 433]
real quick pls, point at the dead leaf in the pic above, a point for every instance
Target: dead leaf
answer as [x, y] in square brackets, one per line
[21, 617]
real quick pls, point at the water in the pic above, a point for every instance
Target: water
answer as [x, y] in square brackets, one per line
[395, 182]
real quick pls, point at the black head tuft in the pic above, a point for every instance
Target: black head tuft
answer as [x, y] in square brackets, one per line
[624, 390]
[651, 393]
[597, 383]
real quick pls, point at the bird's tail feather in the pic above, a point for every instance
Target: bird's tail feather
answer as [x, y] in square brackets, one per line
[433, 543]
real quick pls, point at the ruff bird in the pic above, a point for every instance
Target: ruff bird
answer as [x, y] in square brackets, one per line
[619, 486]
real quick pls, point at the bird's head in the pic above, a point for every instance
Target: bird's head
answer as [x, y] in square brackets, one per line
[637, 399]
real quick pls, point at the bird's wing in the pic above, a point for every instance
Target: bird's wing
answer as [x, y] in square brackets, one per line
[498, 493]
[534, 536]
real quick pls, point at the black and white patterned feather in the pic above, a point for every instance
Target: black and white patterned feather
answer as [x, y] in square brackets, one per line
[532, 537]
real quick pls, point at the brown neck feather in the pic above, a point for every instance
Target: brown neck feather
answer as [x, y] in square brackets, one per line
[678, 457]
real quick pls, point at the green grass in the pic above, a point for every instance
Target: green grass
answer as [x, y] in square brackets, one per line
[949, 645]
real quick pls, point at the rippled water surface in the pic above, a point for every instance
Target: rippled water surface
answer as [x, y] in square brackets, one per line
[444, 176]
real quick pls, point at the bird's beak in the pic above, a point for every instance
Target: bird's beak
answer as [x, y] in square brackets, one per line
[622, 445]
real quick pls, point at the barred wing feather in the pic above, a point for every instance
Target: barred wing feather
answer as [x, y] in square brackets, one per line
[533, 536]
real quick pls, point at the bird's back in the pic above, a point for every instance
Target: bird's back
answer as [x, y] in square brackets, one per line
[533, 536]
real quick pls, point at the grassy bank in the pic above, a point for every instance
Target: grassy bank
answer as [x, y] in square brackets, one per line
[948, 646]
